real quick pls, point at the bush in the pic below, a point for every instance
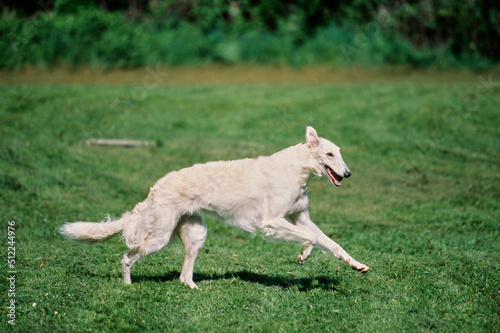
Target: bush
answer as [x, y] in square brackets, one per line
[259, 47]
[329, 45]
[182, 35]
[185, 45]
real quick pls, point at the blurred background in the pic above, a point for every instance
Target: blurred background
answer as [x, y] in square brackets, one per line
[134, 33]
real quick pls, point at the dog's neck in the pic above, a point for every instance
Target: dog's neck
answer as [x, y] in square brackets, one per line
[300, 162]
[308, 161]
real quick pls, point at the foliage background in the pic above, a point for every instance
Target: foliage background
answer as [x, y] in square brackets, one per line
[113, 33]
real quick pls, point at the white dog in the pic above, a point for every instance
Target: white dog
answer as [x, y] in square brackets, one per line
[268, 193]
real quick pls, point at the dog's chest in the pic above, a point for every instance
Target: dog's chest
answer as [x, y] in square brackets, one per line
[299, 203]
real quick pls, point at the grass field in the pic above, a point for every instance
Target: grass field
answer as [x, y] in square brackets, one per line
[421, 208]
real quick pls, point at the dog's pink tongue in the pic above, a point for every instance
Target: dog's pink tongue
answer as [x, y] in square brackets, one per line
[335, 181]
[333, 177]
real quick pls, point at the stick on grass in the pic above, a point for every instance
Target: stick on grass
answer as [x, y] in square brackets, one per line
[122, 143]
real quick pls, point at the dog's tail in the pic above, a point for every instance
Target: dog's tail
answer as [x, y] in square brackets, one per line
[93, 232]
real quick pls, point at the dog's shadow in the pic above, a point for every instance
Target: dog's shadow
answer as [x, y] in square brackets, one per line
[287, 283]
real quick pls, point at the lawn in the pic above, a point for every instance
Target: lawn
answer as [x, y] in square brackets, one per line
[422, 207]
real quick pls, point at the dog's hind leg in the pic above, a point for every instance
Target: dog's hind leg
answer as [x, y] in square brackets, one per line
[155, 237]
[128, 260]
[193, 233]
[152, 245]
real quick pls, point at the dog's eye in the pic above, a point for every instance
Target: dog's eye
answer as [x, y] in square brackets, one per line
[329, 154]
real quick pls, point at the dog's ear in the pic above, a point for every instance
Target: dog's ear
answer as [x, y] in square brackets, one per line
[312, 137]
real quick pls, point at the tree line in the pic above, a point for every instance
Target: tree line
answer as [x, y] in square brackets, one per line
[467, 30]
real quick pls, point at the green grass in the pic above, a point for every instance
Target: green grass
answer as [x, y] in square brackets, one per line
[421, 209]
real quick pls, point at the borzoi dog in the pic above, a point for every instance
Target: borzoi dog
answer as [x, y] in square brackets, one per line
[267, 193]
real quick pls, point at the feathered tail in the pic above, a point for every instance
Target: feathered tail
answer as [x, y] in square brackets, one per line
[94, 232]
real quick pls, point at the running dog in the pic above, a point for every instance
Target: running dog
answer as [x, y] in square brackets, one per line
[267, 193]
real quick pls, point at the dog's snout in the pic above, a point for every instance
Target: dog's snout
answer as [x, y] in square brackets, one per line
[347, 174]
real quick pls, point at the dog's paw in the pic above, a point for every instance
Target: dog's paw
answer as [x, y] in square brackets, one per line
[362, 268]
[300, 260]
[127, 279]
[189, 282]
[191, 285]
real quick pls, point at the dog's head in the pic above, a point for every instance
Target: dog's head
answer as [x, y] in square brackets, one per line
[328, 157]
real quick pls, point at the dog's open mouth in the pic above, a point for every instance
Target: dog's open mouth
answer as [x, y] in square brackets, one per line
[336, 179]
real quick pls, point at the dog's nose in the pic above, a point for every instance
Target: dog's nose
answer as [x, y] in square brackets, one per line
[347, 174]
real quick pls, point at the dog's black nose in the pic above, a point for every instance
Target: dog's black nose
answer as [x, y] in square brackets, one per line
[347, 174]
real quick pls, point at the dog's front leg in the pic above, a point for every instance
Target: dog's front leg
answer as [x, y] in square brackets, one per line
[303, 220]
[281, 228]
[301, 258]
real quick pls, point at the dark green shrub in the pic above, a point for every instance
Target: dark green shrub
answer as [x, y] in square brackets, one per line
[420, 33]
[261, 47]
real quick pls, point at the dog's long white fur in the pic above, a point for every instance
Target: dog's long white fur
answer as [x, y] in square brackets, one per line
[268, 193]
